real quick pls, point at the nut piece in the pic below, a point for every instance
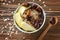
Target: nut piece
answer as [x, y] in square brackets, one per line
[25, 4]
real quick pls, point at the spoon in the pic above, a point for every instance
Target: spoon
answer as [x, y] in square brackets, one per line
[53, 21]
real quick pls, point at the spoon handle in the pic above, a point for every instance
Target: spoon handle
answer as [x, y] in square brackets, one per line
[44, 33]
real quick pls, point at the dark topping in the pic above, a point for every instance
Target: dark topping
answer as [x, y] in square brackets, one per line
[39, 9]
[52, 21]
[33, 6]
[36, 24]
[28, 18]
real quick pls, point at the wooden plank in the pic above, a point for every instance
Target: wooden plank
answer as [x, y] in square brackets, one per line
[55, 3]
[52, 9]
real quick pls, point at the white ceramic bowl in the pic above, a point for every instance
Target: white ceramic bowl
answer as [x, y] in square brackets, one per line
[44, 14]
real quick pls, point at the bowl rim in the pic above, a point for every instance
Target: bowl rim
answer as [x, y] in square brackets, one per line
[38, 28]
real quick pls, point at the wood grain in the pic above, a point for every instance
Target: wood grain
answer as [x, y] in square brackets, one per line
[52, 8]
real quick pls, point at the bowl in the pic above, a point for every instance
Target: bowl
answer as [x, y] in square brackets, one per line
[29, 17]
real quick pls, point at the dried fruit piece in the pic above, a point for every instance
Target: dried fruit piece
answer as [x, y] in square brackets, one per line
[33, 6]
[39, 9]
[28, 18]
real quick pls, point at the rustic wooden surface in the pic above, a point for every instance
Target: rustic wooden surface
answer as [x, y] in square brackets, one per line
[51, 7]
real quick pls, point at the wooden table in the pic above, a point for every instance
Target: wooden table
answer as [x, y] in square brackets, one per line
[51, 7]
